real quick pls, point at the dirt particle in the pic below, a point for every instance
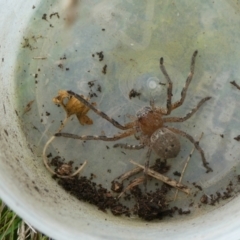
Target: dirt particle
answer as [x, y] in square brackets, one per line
[176, 173]
[237, 138]
[63, 58]
[28, 107]
[6, 132]
[54, 14]
[204, 199]
[181, 212]
[99, 88]
[91, 83]
[235, 85]
[60, 65]
[197, 186]
[100, 56]
[4, 109]
[116, 187]
[36, 188]
[104, 69]
[133, 93]
[44, 16]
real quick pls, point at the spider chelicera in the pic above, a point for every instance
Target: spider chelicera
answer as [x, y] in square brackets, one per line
[149, 127]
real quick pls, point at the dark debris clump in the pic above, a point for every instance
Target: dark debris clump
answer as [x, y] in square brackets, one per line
[152, 205]
[88, 191]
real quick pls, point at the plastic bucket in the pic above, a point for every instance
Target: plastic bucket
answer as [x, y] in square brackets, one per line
[132, 38]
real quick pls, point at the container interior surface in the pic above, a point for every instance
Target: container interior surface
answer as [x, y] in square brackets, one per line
[49, 54]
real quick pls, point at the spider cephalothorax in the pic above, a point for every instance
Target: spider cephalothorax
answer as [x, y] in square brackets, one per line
[149, 120]
[150, 124]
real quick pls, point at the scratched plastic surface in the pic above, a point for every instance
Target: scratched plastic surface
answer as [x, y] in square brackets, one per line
[132, 38]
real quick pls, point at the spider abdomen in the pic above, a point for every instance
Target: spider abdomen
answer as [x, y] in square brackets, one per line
[165, 143]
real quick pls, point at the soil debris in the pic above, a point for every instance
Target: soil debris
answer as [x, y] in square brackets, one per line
[54, 14]
[100, 56]
[104, 69]
[133, 93]
[150, 206]
[235, 85]
[28, 107]
[237, 138]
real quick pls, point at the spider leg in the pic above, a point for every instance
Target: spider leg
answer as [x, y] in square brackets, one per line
[188, 80]
[169, 89]
[129, 146]
[103, 138]
[195, 143]
[100, 113]
[182, 119]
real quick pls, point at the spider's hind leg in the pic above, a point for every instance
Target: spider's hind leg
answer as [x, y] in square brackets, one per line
[129, 146]
[196, 144]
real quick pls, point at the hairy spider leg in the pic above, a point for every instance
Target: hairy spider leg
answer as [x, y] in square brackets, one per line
[169, 89]
[100, 113]
[188, 80]
[182, 119]
[195, 143]
[103, 138]
[129, 146]
[171, 106]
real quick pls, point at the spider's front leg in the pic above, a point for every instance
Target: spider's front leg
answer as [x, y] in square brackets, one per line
[103, 138]
[171, 106]
[100, 113]
[186, 117]
[188, 81]
[169, 89]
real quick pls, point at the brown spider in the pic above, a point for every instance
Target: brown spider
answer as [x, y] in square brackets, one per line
[149, 127]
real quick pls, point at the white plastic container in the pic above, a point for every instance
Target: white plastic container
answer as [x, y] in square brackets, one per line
[132, 36]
